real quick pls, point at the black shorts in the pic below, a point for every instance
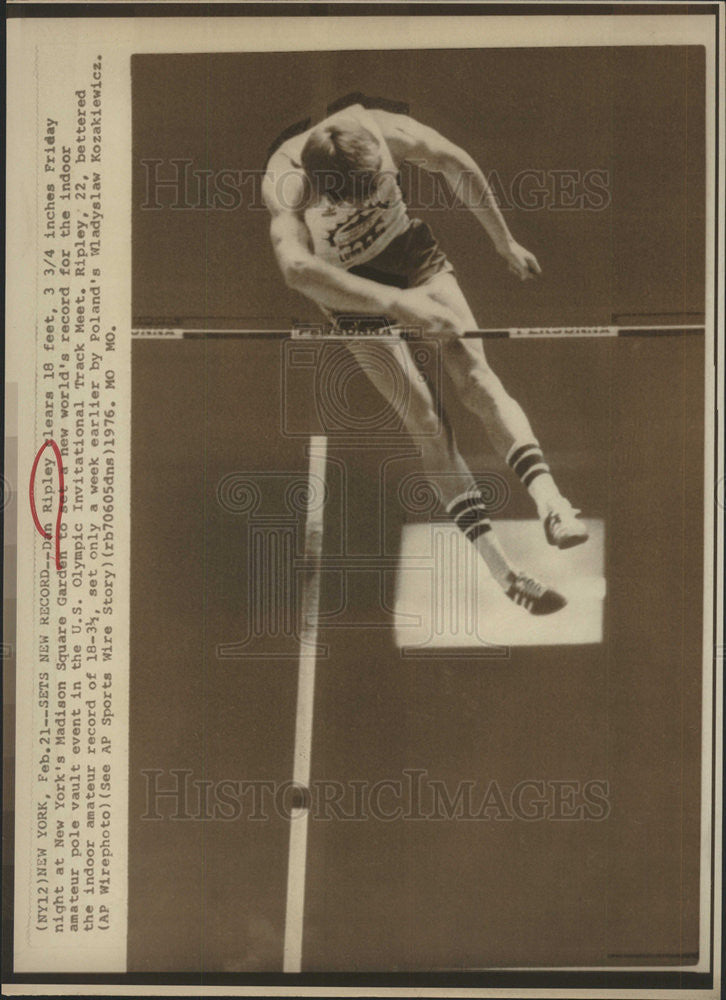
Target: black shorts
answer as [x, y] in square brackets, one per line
[412, 259]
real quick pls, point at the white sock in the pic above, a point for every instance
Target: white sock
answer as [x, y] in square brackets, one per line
[470, 515]
[528, 463]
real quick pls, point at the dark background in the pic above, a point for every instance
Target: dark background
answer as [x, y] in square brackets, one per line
[622, 423]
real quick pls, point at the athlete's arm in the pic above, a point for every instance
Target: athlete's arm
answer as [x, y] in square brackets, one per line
[332, 287]
[410, 140]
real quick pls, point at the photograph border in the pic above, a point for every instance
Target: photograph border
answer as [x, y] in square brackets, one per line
[601, 979]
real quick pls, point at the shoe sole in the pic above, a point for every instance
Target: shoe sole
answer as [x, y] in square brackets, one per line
[570, 543]
[552, 611]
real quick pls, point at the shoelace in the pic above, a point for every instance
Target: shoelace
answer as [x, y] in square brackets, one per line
[530, 587]
[557, 516]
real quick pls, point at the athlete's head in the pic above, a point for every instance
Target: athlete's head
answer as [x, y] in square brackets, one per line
[342, 160]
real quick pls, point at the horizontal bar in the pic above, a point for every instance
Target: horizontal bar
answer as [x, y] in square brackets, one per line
[318, 333]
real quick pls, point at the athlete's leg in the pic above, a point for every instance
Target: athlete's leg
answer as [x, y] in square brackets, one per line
[479, 387]
[391, 369]
[509, 430]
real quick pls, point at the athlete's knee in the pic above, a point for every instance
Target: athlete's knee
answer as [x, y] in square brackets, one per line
[440, 321]
[431, 317]
[443, 325]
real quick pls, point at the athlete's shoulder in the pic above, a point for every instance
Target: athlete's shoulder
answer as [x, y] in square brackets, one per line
[409, 139]
[284, 186]
[391, 123]
[287, 155]
[403, 134]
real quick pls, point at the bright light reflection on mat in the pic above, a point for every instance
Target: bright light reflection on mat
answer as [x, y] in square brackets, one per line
[446, 598]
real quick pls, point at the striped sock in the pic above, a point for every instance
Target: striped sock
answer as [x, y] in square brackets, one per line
[470, 516]
[529, 464]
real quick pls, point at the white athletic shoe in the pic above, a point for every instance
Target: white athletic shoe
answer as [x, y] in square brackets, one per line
[562, 526]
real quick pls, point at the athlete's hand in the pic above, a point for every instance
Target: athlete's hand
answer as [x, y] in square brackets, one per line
[520, 261]
[414, 307]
